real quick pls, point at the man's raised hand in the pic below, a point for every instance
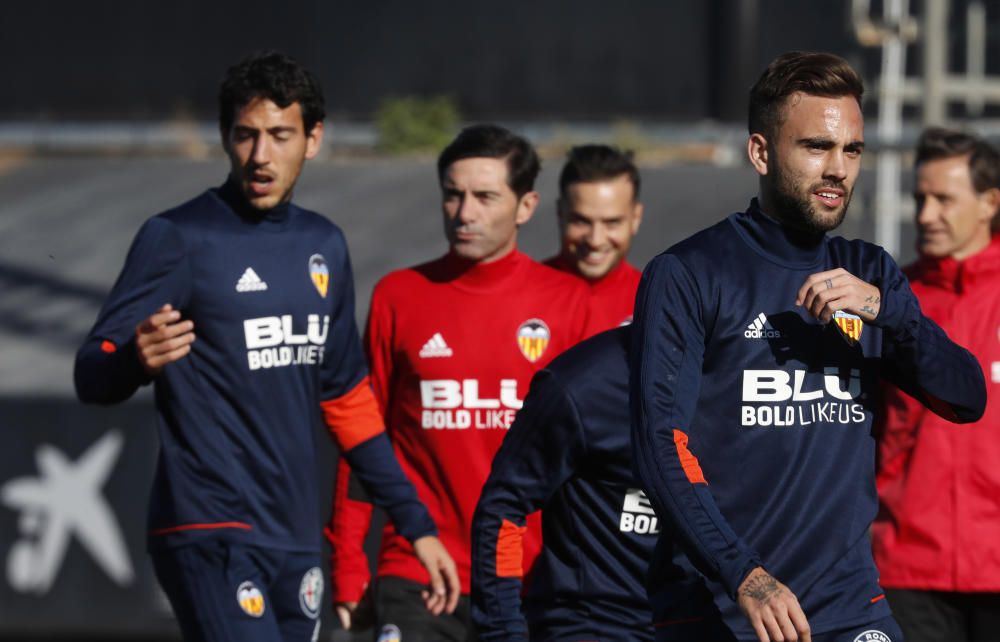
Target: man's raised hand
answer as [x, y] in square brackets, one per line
[827, 292]
[163, 338]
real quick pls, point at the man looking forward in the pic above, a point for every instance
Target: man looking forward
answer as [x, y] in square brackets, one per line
[453, 344]
[937, 537]
[599, 214]
[758, 346]
[233, 528]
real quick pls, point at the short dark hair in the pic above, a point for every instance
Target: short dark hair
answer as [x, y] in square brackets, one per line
[275, 76]
[936, 143]
[810, 72]
[493, 141]
[591, 163]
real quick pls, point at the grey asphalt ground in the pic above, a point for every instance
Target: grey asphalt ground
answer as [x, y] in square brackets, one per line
[66, 225]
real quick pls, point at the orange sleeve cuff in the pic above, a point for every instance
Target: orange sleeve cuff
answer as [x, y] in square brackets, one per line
[353, 418]
[510, 549]
[688, 461]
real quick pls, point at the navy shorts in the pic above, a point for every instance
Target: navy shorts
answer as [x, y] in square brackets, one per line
[221, 591]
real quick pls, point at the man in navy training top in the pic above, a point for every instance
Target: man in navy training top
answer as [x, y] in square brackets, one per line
[757, 350]
[568, 453]
[234, 530]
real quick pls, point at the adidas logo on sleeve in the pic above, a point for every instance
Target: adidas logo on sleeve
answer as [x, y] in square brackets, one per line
[250, 282]
[435, 347]
[760, 328]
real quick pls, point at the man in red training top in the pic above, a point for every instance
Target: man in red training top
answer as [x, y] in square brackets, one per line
[937, 536]
[599, 213]
[452, 346]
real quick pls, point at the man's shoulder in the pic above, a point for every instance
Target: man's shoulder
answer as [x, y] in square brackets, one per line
[192, 212]
[700, 252]
[601, 357]
[705, 243]
[542, 276]
[309, 218]
[401, 282]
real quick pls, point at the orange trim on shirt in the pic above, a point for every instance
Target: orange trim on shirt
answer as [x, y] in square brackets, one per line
[877, 598]
[353, 418]
[198, 527]
[108, 347]
[688, 461]
[510, 549]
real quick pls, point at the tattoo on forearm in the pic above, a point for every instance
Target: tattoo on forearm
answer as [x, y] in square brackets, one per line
[761, 589]
[870, 310]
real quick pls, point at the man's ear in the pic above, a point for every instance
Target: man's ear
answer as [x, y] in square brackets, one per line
[758, 149]
[314, 140]
[636, 217]
[989, 202]
[526, 207]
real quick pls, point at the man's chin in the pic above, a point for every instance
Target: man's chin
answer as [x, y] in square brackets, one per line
[263, 202]
[823, 222]
[932, 250]
[593, 272]
[467, 251]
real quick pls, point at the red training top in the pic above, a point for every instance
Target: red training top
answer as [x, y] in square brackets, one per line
[939, 484]
[611, 297]
[452, 347]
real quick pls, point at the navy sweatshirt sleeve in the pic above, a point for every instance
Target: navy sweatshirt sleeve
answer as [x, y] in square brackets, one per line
[156, 272]
[543, 448]
[375, 465]
[668, 342]
[921, 359]
[372, 460]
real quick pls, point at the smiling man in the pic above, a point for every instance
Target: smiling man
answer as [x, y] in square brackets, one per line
[758, 345]
[937, 537]
[234, 530]
[599, 214]
[453, 344]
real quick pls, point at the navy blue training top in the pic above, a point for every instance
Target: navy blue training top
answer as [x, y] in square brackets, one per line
[271, 296]
[777, 409]
[568, 453]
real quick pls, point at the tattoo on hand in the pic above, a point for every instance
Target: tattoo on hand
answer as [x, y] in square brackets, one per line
[873, 299]
[870, 310]
[761, 588]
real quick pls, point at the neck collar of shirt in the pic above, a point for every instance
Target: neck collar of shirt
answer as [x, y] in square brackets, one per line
[957, 276]
[476, 276]
[233, 196]
[776, 242]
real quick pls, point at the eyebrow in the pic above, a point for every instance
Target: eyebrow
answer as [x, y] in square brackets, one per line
[826, 143]
[272, 130]
[452, 188]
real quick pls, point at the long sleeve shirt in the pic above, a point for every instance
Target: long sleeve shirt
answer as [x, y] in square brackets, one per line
[752, 420]
[277, 351]
[568, 454]
[452, 347]
[939, 486]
